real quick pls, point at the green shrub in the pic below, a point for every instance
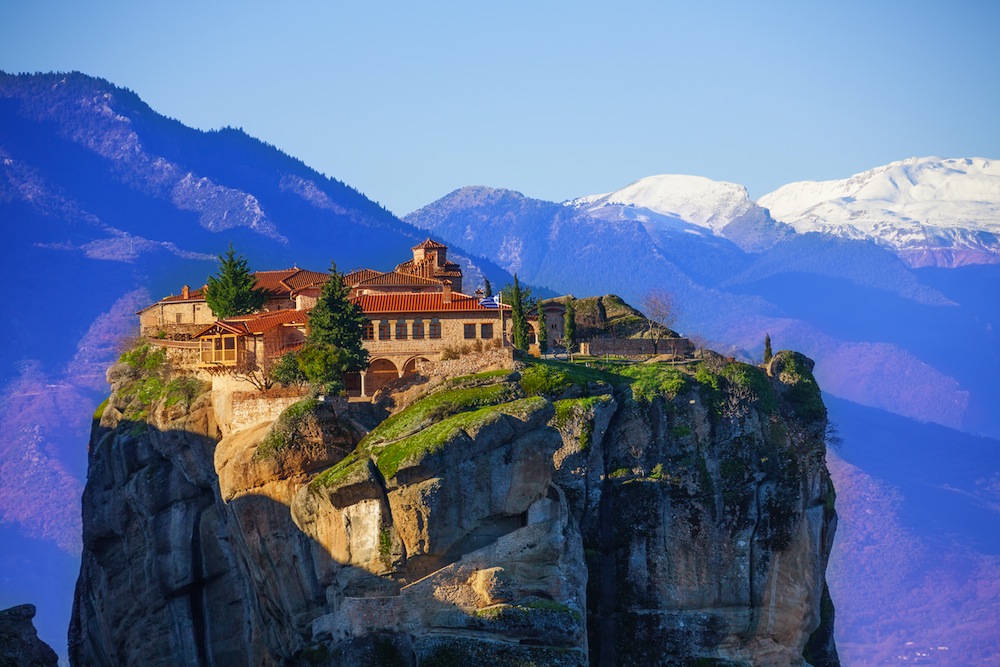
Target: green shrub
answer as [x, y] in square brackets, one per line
[184, 390]
[286, 370]
[754, 380]
[286, 427]
[802, 393]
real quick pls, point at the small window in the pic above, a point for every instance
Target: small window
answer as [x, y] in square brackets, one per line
[383, 330]
[486, 331]
[470, 330]
[177, 318]
[401, 329]
[368, 332]
[435, 328]
[418, 329]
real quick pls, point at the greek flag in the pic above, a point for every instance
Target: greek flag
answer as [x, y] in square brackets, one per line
[490, 302]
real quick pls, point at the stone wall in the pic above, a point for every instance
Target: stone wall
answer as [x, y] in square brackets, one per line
[636, 347]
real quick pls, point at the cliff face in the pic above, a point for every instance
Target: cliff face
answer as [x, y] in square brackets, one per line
[539, 513]
[19, 642]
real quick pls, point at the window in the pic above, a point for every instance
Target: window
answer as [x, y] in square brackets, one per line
[219, 350]
[435, 328]
[486, 331]
[368, 332]
[401, 329]
[177, 317]
[383, 330]
[470, 330]
[418, 329]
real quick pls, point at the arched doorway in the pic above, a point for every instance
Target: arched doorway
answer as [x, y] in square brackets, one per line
[352, 383]
[410, 366]
[380, 372]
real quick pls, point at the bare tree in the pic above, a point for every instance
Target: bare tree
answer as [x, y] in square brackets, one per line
[660, 312]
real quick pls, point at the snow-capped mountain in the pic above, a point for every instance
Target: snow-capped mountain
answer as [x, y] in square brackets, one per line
[931, 211]
[669, 203]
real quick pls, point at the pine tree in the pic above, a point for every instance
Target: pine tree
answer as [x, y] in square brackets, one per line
[569, 327]
[767, 348]
[233, 291]
[518, 318]
[336, 321]
[543, 334]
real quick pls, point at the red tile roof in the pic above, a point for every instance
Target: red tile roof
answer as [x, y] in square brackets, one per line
[286, 281]
[397, 278]
[359, 276]
[259, 322]
[430, 302]
[429, 245]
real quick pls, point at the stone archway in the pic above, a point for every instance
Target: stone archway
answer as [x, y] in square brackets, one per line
[380, 373]
[410, 366]
[352, 383]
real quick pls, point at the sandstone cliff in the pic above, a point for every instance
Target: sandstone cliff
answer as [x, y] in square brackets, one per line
[533, 513]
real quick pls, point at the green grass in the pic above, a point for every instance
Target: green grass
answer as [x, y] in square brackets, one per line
[568, 409]
[547, 377]
[477, 377]
[706, 378]
[99, 412]
[651, 380]
[439, 406]
[341, 471]
[391, 457]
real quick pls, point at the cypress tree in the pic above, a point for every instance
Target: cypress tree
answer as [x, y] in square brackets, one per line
[233, 291]
[767, 348]
[569, 327]
[338, 322]
[518, 318]
[487, 287]
[543, 335]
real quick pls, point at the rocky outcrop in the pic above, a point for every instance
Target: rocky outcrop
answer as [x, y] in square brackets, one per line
[19, 642]
[529, 514]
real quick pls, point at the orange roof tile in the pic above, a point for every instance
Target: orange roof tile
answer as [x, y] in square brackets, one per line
[261, 322]
[258, 323]
[412, 302]
[304, 279]
[429, 244]
[359, 276]
[397, 278]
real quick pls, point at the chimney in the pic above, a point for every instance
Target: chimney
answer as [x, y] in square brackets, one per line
[480, 294]
[186, 292]
[446, 292]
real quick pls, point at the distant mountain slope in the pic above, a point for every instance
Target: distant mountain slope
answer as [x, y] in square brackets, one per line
[932, 211]
[677, 202]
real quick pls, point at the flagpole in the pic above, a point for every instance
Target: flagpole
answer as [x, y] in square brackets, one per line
[503, 331]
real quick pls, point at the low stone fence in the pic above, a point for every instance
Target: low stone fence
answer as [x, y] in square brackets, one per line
[636, 347]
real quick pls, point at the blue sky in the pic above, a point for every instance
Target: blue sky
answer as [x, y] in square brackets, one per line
[408, 101]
